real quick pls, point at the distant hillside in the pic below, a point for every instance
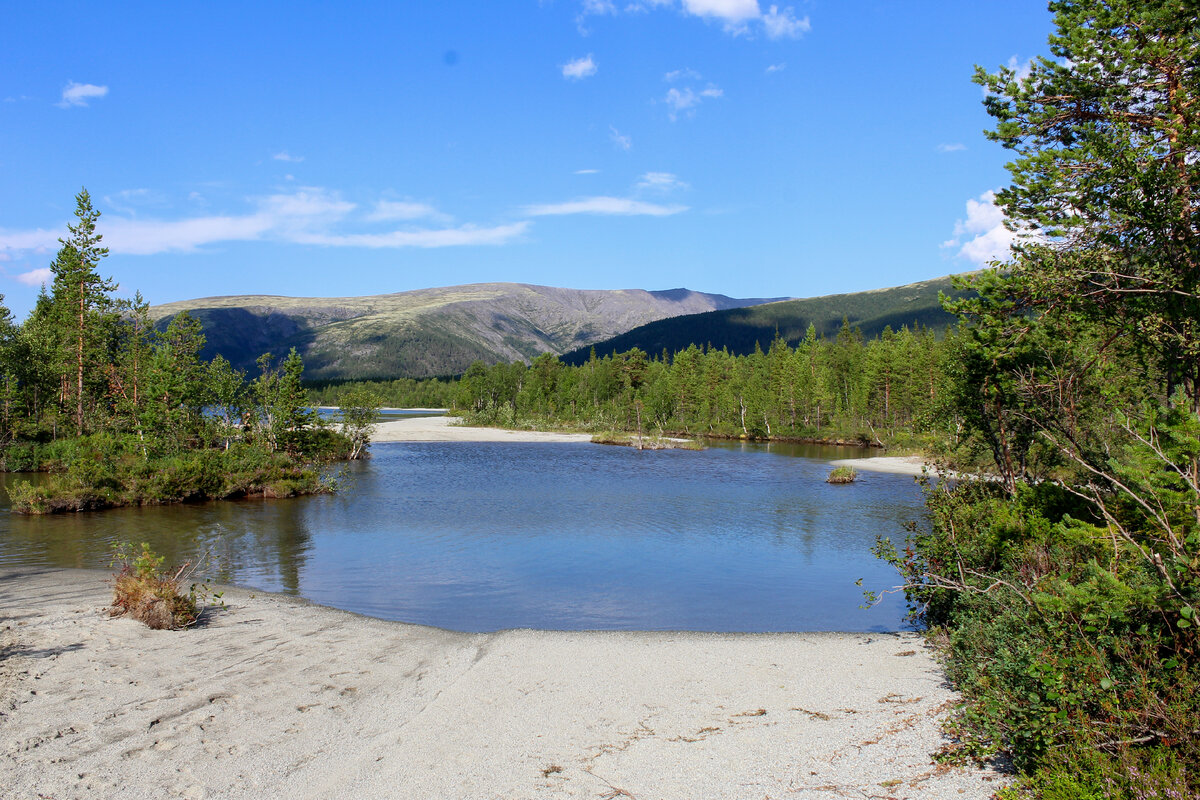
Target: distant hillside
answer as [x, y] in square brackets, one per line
[739, 329]
[430, 332]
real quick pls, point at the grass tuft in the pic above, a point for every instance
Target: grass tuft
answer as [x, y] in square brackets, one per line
[146, 592]
[842, 475]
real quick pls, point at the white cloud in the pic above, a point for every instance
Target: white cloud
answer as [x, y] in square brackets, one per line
[78, 94]
[579, 69]
[445, 237]
[1023, 70]
[776, 68]
[660, 182]
[953, 147]
[728, 10]
[147, 236]
[35, 241]
[386, 210]
[309, 215]
[982, 237]
[35, 277]
[738, 17]
[620, 140]
[620, 206]
[685, 100]
[783, 24]
[681, 74]
[586, 171]
[310, 202]
[284, 155]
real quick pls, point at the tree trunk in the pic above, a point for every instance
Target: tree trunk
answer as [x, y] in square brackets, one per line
[79, 373]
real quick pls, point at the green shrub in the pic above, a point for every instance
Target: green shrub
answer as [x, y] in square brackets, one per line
[842, 475]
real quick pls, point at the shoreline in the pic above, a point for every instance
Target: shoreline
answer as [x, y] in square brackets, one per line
[447, 429]
[892, 465]
[274, 696]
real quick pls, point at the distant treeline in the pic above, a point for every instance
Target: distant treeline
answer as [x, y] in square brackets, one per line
[888, 389]
[395, 393]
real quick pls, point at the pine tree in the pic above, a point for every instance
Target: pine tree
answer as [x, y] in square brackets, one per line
[81, 298]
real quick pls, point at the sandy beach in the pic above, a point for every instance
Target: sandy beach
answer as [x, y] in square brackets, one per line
[274, 697]
[448, 429]
[894, 465]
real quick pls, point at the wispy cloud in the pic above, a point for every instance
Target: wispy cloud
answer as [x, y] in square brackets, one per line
[660, 182]
[35, 277]
[130, 201]
[622, 141]
[683, 102]
[309, 215]
[445, 237]
[682, 74]
[982, 237]
[773, 68]
[611, 206]
[736, 17]
[388, 210]
[579, 69]
[729, 10]
[784, 24]
[586, 171]
[284, 155]
[953, 147]
[38, 240]
[78, 94]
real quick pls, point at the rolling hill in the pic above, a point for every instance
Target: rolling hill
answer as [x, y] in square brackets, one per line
[429, 332]
[740, 329]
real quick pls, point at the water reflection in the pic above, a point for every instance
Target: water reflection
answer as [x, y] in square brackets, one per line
[487, 536]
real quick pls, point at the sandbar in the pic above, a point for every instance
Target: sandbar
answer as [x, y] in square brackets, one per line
[894, 465]
[450, 429]
[274, 697]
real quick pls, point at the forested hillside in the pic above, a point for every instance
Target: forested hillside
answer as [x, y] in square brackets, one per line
[741, 330]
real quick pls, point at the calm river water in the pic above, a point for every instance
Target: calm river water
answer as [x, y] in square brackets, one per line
[481, 536]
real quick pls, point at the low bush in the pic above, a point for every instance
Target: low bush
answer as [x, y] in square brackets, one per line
[145, 591]
[1072, 653]
[842, 475]
[105, 475]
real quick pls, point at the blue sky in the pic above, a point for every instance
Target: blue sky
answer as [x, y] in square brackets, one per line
[732, 146]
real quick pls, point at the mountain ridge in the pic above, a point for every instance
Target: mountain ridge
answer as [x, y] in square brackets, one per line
[433, 331]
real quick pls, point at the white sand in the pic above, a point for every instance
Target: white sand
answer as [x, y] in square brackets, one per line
[274, 697]
[895, 465]
[448, 429]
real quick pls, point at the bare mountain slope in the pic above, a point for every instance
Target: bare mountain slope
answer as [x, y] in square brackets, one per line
[430, 331]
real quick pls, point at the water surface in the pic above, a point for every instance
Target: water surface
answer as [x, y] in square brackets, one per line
[485, 536]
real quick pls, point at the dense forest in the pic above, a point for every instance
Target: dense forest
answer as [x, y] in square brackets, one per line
[891, 390]
[123, 413]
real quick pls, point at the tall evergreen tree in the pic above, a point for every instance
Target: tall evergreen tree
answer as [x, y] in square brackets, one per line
[81, 297]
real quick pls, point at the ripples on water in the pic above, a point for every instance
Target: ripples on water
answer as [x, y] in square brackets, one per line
[484, 536]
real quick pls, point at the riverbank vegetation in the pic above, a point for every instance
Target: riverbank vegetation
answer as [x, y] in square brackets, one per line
[1067, 591]
[122, 413]
[895, 389]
